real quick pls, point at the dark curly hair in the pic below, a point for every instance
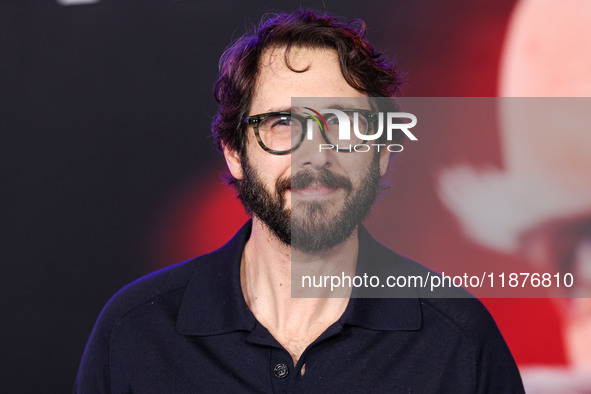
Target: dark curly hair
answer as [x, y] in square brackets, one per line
[363, 68]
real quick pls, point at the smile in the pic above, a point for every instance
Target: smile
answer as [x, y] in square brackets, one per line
[314, 191]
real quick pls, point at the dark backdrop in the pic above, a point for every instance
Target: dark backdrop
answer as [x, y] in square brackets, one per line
[104, 127]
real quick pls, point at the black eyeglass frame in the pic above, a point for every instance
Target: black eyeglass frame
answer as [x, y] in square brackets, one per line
[255, 120]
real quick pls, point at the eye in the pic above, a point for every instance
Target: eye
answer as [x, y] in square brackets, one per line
[331, 119]
[282, 121]
[276, 123]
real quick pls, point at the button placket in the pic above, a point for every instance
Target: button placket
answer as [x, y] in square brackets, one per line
[281, 371]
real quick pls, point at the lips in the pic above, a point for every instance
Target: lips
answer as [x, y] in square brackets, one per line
[315, 190]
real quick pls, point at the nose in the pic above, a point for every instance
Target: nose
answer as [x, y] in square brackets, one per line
[313, 153]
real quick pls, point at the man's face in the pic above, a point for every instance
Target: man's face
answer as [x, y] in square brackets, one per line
[310, 199]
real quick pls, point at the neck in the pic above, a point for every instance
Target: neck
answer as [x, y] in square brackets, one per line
[266, 278]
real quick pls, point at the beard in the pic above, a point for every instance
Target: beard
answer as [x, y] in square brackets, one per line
[309, 226]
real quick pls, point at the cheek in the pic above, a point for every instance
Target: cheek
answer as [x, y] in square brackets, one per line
[357, 166]
[268, 167]
[276, 167]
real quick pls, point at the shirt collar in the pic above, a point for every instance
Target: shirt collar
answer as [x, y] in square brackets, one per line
[213, 302]
[383, 308]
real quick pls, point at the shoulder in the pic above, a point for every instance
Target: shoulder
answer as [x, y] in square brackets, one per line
[165, 287]
[150, 287]
[453, 317]
[134, 302]
[468, 316]
[450, 308]
[167, 282]
[153, 306]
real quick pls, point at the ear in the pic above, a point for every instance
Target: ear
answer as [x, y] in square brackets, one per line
[233, 162]
[384, 160]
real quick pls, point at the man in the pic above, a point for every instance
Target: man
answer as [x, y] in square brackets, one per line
[227, 321]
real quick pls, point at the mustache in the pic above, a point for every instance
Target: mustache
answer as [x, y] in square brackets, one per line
[306, 178]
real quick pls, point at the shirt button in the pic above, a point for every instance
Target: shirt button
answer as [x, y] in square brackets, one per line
[281, 371]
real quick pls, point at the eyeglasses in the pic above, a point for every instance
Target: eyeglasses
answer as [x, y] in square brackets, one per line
[281, 133]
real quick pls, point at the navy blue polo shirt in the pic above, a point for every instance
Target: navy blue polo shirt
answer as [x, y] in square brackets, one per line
[187, 329]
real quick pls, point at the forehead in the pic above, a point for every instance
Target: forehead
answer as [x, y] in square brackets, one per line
[276, 84]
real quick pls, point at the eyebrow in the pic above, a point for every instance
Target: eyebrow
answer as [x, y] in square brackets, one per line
[344, 107]
[279, 109]
[289, 109]
[337, 106]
